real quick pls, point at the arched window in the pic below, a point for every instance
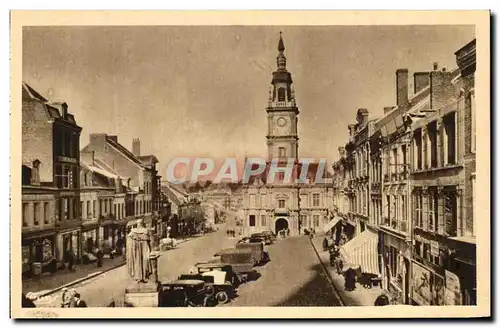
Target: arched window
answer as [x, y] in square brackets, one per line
[281, 94]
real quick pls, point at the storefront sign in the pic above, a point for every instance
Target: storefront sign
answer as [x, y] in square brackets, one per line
[421, 285]
[453, 295]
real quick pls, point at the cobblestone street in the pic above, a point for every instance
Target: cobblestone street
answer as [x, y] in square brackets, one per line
[294, 277]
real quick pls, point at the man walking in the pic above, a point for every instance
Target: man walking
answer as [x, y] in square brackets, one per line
[79, 302]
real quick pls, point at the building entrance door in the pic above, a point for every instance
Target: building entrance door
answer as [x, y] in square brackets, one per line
[281, 224]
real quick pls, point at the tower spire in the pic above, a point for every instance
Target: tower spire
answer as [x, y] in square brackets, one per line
[281, 59]
[281, 44]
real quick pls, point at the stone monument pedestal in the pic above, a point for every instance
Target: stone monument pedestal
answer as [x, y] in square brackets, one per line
[145, 294]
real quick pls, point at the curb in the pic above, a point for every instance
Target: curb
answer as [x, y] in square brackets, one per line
[74, 282]
[92, 275]
[329, 275]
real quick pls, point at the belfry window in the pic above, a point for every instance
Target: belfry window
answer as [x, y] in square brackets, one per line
[281, 94]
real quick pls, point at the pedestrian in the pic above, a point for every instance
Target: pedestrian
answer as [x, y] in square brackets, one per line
[382, 300]
[350, 280]
[288, 232]
[65, 298]
[79, 302]
[99, 256]
[325, 244]
[70, 259]
[71, 296]
[26, 302]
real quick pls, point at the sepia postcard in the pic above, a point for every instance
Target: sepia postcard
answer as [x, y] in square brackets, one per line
[250, 164]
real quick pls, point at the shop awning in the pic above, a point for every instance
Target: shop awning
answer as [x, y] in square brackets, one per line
[331, 224]
[361, 251]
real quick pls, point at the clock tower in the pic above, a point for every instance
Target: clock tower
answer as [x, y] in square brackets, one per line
[282, 112]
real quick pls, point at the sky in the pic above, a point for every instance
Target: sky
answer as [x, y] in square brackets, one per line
[201, 91]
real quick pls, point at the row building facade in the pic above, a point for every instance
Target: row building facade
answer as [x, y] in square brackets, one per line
[420, 164]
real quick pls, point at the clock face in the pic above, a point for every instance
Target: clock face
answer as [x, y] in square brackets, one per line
[281, 121]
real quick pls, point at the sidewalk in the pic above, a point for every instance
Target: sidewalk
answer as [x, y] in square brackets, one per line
[358, 297]
[50, 282]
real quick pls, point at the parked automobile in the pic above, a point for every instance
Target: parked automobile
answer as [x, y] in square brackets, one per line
[267, 240]
[218, 283]
[244, 240]
[258, 255]
[241, 262]
[270, 234]
[184, 293]
[236, 272]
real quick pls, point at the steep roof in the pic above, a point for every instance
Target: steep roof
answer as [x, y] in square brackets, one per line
[29, 92]
[127, 153]
[171, 195]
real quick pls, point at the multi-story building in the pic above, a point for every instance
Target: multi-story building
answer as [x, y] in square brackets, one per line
[51, 164]
[103, 199]
[284, 204]
[442, 172]
[140, 174]
[393, 138]
[421, 169]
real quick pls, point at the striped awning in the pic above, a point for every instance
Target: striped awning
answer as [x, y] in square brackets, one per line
[361, 251]
[331, 224]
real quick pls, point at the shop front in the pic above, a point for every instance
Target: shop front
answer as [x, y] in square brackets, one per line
[37, 247]
[396, 260]
[90, 237]
[428, 287]
[68, 242]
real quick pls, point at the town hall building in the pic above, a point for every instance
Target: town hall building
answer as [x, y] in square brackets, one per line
[284, 204]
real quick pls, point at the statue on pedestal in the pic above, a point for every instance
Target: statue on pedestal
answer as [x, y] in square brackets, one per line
[140, 249]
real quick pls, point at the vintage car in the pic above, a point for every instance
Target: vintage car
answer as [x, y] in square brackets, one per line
[261, 237]
[259, 256]
[232, 274]
[244, 240]
[184, 293]
[270, 234]
[219, 287]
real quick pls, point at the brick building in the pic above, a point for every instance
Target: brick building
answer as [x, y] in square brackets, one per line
[50, 179]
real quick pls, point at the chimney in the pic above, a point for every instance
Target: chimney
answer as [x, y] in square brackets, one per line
[420, 81]
[402, 87]
[64, 107]
[442, 90]
[136, 147]
[387, 109]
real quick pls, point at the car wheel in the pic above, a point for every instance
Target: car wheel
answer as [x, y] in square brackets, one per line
[209, 301]
[222, 297]
[210, 290]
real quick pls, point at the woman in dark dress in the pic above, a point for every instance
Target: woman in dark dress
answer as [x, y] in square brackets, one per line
[27, 303]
